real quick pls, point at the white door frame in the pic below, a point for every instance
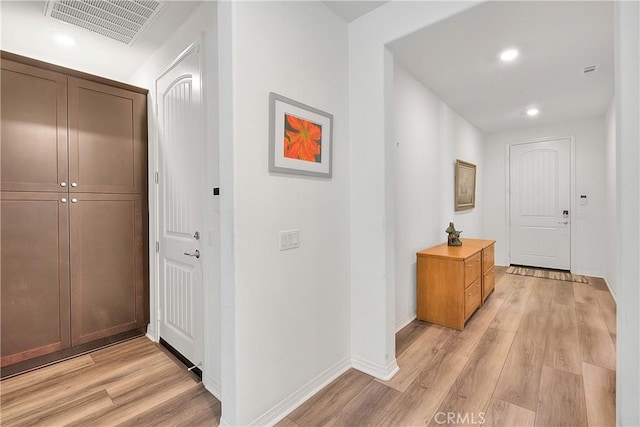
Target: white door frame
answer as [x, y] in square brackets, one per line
[153, 332]
[572, 190]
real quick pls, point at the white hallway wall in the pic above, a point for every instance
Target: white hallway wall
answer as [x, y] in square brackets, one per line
[371, 226]
[627, 107]
[428, 138]
[611, 273]
[588, 222]
[286, 314]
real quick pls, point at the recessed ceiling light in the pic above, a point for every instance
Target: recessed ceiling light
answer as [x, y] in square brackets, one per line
[531, 112]
[509, 55]
[64, 40]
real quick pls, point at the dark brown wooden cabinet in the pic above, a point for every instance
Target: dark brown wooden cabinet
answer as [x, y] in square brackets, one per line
[35, 275]
[73, 216]
[34, 128]
[106, 125]
[107, 265]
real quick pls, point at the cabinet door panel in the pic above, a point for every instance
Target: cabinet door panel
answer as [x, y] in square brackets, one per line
[34, 128]
[35, 275]
[107, 265]
[108, 147]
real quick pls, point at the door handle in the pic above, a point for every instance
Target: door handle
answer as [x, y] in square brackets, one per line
[563, 222]
[195, 254]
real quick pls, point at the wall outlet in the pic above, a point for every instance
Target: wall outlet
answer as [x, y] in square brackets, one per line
[289, 239]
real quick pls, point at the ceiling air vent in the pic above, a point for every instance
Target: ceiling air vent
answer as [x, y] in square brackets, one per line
[121, 20]
[590, 69]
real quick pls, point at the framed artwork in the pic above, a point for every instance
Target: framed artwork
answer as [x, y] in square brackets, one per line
[300, 138]
[465, 185]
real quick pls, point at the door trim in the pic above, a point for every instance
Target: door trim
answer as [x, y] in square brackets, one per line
[572, 192]
[153, 332]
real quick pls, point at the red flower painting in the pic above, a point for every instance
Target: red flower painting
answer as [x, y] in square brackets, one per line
[302, 139]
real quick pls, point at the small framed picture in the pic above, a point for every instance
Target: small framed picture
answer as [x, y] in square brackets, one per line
[300, 138]
[465, 185]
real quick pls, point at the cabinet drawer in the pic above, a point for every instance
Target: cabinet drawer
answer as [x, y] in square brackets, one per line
[472, 296]
[488, 257]
[488, 283]
[472, 269]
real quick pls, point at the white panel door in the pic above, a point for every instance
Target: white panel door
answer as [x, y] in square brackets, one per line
[540, 183]
[180, 153]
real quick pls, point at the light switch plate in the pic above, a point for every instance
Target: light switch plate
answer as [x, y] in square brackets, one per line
[289, 239]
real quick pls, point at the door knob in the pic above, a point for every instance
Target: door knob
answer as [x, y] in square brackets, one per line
[195, 254]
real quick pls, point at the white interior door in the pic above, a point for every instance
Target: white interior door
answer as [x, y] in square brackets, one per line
[540, 187]
[181, 179]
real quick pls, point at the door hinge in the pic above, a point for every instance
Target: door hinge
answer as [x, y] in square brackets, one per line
[157, 177]
[157, 247]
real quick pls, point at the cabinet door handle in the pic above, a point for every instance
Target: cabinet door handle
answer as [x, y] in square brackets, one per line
[74, 200]
[63, 200]
[63, 184]
[74, 184]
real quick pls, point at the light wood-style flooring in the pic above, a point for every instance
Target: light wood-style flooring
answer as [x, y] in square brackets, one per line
[540, 352]
[135, 383]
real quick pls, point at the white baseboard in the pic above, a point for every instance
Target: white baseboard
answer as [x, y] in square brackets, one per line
[401, 323]
[212, 386]
[613, 294]
[381, 372]
[285, 407]
[151, 336]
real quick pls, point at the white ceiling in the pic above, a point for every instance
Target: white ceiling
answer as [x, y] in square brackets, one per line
[351, 10]
[25, 30]
[457, 59]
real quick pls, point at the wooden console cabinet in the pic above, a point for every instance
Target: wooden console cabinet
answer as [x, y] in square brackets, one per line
[454, 281]
[488, 263]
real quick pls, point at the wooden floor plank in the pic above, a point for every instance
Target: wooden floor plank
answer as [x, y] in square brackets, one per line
[520, 377]
[598, 284]
[564, 293]
[464, 342]
[562, 349]
[562, 400]
[37, 377]
[195, 407]
[508, 318]
[409, 334]
[472, 391]
[328, 403]
[368, 408]
[412, 361]
[596, 343]
[140, 375]
[608, 307]
[81, 382]
[543, 293]
[134, 402]
[600, 395]
[61, 412]
[505, 414]
[585, 293]
[419, 403]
